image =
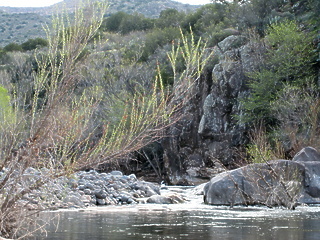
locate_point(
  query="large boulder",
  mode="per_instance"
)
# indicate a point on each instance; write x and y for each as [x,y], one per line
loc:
[279,182]
[309,158]
[308,154]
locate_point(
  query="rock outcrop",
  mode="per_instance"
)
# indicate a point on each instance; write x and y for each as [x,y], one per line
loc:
[209,135]
[279,182]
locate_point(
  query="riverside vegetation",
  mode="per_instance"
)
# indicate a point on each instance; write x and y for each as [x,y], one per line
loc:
[100,92]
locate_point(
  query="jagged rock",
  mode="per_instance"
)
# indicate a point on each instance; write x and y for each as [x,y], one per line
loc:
[279,182]
[209,132]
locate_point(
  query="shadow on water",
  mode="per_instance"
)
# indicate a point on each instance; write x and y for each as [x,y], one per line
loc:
[190,221]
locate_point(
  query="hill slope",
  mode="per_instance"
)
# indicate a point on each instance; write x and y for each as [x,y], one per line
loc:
[20,24]
[150,8]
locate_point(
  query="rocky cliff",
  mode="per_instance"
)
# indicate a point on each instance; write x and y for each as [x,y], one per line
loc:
[209,136]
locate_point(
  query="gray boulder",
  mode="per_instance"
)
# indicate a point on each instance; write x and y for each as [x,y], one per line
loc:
[168,199]
[146,188]
[231,42]
[280,182]
[307,154]
[73,200]
[309,158]
[158,199]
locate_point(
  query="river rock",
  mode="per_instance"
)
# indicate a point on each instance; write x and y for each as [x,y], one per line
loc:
[169,199]
[101,201]
[86,199]
[116,173]
[100,194]
[73,201]
[86,188]
[145,188]
[279,182]
[159,199]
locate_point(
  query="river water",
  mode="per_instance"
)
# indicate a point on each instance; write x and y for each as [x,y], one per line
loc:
[190,221]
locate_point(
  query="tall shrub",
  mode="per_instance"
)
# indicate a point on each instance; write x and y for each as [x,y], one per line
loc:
[288,60]
[58,131]
[6,111]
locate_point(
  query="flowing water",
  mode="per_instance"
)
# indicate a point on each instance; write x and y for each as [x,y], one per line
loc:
[190,221]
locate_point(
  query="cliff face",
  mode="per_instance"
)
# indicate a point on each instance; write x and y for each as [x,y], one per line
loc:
[209,136]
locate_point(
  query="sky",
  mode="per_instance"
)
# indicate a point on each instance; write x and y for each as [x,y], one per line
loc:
[27,3]
[43,3]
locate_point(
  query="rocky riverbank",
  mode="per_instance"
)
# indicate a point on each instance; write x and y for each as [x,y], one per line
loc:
[278,182]
[91,188]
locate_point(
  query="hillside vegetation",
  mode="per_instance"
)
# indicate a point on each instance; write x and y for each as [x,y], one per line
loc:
[19,27]
[20,24]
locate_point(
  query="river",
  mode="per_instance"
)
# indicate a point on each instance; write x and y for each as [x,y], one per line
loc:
[190,221]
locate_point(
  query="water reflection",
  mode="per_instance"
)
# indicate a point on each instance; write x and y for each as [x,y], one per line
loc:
[191,221]
[188,225]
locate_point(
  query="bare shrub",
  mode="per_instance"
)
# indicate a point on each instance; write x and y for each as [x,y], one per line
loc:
[261,149]
[58,132]
[298,111]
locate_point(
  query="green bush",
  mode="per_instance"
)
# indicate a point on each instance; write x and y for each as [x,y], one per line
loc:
[170,18]
[136,22]
[211,14]
[298,112]
[6,111]
[288,60]
[290,50]
[158,38]
[215,33]
[205,16]
[125,23]
[113,22]
[3,56]
[32,44]
[13,47]
[257,14]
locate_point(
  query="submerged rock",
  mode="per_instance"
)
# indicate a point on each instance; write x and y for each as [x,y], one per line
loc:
[159,200]
[167,199]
